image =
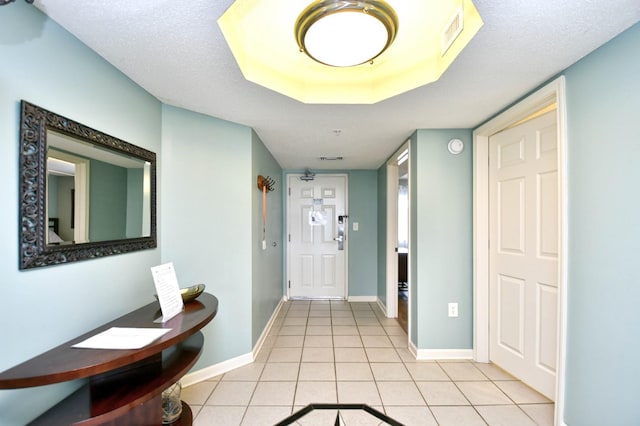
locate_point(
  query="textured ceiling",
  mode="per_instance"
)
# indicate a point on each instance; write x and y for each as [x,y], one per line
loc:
[176,51]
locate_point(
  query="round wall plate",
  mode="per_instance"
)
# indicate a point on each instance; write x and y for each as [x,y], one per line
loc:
[455,146]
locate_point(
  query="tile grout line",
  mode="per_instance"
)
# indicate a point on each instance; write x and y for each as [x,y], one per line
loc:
[355,315]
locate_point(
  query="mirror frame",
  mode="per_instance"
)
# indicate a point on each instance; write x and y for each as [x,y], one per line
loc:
[34,251]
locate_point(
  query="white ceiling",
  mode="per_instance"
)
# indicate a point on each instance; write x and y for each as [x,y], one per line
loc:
[175,50]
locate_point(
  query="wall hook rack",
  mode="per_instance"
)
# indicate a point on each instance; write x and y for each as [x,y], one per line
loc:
[265,183]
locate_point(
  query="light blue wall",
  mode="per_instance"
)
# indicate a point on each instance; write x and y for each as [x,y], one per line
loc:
[135,196]
[108,212]
[441,247]
[266,264]
[207,183]
[603,334]
[362,246]
[52,192]
[44,307]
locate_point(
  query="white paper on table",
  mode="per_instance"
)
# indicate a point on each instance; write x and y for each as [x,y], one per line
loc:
[168,290]
[123,338]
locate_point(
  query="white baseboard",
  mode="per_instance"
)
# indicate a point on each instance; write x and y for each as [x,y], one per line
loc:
[439,354]
[363,298]
[444,354]
[239,361]
[413,349]
[382,306]
[267,329]
[216,370]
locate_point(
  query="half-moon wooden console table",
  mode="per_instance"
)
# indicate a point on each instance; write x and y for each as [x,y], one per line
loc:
[125,386]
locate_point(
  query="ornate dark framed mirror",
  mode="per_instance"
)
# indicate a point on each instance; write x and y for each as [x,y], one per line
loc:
[83,194]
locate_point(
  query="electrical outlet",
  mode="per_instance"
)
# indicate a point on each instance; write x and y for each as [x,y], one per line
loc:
[453,310]
[356,226]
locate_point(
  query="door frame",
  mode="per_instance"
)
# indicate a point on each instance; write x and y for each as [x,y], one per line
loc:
[392,239]
[392,236]
[81,193]
[553,92]
[290,176]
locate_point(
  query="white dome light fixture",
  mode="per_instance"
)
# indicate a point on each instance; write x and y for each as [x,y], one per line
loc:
[346,33]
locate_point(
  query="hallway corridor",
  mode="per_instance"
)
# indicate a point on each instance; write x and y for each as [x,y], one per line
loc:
[329,352]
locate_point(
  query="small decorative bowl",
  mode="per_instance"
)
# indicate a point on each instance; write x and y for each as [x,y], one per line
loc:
[189,293]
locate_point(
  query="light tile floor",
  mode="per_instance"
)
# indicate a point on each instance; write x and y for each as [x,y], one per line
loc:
[341,352]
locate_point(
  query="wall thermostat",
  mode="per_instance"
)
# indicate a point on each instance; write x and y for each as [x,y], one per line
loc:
[455,146]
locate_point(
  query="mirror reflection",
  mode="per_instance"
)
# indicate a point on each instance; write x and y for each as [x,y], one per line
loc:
[94,194]
[83,193]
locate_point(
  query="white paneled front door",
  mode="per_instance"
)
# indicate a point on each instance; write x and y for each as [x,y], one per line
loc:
[317,225]
[523,197]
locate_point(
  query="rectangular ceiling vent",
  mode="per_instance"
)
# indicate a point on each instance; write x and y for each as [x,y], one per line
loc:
[452,30]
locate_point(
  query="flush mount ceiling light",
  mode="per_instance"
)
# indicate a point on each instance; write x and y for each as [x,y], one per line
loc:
[417,41]
[344,33]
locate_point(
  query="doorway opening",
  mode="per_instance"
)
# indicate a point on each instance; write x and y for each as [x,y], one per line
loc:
[67,198]
[403,240]
[398,238]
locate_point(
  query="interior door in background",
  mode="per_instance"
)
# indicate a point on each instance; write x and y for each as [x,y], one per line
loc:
[523,197]
[316,258]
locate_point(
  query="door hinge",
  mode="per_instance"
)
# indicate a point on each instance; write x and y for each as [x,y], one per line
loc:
[289,237]
[289,192]
[289,283]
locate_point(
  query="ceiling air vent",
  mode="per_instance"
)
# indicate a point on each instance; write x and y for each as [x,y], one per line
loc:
[452,30]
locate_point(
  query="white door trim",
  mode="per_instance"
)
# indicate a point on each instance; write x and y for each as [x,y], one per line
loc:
[81,190]
[392,237]
[552,92]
